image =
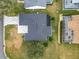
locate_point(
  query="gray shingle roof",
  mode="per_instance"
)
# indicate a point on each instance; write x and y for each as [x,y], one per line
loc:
[37,26]
[31,3]
[69,5]
[67,33]
[75,1]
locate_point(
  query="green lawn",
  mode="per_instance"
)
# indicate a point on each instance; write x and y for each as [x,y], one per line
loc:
[7,28]
[69,12]
[50,49]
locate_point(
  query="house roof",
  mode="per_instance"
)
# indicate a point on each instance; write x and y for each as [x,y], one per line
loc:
[71,29]
[38,29]
[71,4]
[75,1]
[74,25]
[35,4]
[67,33]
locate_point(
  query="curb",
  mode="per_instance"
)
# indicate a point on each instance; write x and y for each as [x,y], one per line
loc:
[60,19]
[4,41]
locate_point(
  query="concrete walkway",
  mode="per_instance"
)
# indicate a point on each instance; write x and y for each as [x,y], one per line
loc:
[2,55]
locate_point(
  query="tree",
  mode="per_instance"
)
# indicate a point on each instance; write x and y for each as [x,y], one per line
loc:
[7,6]
[35,49]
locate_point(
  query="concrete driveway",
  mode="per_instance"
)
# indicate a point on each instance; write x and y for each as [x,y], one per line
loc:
[2,56]
[14,20]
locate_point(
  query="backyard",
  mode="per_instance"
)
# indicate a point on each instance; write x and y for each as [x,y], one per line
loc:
[41,50]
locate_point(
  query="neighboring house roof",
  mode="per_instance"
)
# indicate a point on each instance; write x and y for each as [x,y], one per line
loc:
[36,4]
[49,1]
[38,26]
[71,4]
[67,37]
[75,1]
[71,29]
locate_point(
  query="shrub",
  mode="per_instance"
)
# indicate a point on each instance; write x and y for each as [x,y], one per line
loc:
[52,18]
[50,38]
[45,44]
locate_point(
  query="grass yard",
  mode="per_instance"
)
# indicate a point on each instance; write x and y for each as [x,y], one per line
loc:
[41,50]
[69,12]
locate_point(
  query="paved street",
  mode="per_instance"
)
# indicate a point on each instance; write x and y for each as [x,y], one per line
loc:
[2,56]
